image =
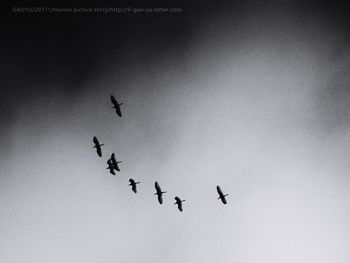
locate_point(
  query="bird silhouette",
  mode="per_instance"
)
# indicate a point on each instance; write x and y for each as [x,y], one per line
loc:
[115,162]
[179,203]
[159,193]
[110,167]
[133,185]
[116,106]
[221,195]
[97,146]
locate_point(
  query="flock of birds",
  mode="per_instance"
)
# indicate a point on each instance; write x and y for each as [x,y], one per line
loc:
[113,166]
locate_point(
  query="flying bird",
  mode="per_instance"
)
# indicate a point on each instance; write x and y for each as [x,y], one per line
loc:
[110,167]
[159,193]
[116,106]
[97,146]
[179,203]
[115,162]
[221,195]
[133,185]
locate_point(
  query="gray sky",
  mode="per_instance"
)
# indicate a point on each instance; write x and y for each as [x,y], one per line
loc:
[264,115]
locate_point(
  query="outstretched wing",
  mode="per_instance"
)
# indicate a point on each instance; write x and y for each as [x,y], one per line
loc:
[158,189]
[114,101]
[131,181]
[118,111]
[180,206]
[223,199]
[160,199]
[114,162]
[110,167]
[219,190]
[99,151]
[178,200]
[96,141]
[133,187]
[116,167]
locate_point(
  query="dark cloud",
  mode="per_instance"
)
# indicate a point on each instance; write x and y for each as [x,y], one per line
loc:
[67,50]
[58,54]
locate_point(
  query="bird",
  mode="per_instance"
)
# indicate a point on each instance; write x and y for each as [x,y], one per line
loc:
[221,195]
[133,185]
[179,203]
[116,106]
[159,192]
[110,167]
[115,162]
[97,146]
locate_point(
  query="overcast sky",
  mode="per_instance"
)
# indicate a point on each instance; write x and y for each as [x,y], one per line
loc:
[252,97]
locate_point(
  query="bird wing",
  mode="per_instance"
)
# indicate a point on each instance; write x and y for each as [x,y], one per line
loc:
[160,199]
[117,109]
[133,187]
[99,152]
[219,190]
[113,158]
[156,185]
[178,200]
[114,101]
[223,199]
[131,181]
[96,141]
